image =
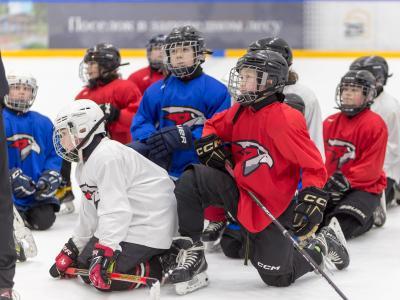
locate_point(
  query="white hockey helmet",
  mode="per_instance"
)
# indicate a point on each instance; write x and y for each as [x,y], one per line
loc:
[17,103]
[75,127]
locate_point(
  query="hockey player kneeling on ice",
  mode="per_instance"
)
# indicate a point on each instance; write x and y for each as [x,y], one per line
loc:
[127,200]
[388,108]
[33,162]
[355,146]
[269,146]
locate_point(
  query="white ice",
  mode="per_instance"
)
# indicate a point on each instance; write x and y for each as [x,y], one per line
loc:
[374,271]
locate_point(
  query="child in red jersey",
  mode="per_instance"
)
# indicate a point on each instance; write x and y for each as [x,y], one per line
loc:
[355,144]
[155,71]
[269,146]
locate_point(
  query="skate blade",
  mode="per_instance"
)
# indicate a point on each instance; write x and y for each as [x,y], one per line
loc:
[67,208]
[25,238]
[213,247]
[335,225]
[197,282]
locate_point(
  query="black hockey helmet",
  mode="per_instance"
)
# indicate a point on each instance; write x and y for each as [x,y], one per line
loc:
[274,44]
[377,65]
[180,37]
[356,79]
[156,41]
[270,69]
[295,101]
[106,55]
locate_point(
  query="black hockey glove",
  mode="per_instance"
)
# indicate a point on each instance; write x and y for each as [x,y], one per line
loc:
[309,211]
[65,259]
[212,152]
[168,139]
[337,185]
[21,184]
[47,185]
[110,111]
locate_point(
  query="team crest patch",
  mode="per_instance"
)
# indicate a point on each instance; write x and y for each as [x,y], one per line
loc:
[181,115]
[343,151]
[91,193]
[256,155]
[25,143]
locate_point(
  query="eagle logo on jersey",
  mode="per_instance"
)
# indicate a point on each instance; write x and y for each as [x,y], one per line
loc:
[258,156]
[24,143]
[181,115]
[343,152]
[91,193]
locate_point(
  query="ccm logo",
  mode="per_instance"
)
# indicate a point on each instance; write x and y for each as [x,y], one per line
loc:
[315,199]
[268,267]
[209,147]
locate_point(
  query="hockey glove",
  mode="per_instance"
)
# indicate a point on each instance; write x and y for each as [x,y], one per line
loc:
[101,264]
[337,185]
[110,111]
[212,152]
[21,184]
[65,259]
[47,185]
[168,139]
[309,211]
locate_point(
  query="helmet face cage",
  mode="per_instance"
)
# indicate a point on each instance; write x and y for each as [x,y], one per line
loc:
[84,72]
[368,92]
[155,64]
[68,155]
[181,49]
[21,104]
[83,122]
[247,83]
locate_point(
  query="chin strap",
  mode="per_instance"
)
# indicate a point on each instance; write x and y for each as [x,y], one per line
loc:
[86,138]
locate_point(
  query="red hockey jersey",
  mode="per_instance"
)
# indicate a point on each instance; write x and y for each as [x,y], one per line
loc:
[270,147]
[145,77]
[356,146]
[123,94]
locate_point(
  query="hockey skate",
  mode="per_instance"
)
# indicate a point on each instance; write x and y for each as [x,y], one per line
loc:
[8,294]
[211,236]
[379,214]
[189,274]
[333,245]
[65,196]
[24,243]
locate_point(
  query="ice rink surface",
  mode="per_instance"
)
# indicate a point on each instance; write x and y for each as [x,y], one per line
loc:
[374,271]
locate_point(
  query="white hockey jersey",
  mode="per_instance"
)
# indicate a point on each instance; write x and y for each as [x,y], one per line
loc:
[312,113]
[126,197]
[389,109]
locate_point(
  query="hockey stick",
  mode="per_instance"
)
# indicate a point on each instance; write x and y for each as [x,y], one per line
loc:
[152,283]
[286,233]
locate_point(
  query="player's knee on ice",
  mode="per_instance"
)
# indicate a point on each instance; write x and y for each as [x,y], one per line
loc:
[41,217]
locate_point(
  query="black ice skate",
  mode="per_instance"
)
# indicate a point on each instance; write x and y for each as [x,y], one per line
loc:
[8,294]
[189,274]
[332,243]
[213,231]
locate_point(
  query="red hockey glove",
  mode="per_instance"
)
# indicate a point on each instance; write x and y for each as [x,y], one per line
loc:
[65,259]
[102,258]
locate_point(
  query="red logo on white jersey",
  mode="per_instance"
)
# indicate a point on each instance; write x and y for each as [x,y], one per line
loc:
[91,193]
